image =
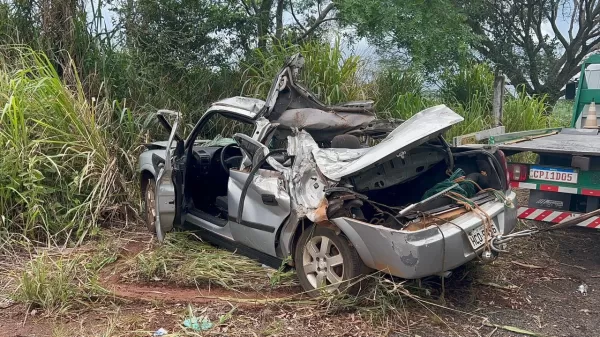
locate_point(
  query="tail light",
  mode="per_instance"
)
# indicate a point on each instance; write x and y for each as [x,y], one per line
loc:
[517,172]
[502,160]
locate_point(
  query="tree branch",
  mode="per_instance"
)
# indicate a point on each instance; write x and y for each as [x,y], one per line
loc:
[246,8]
[318,22]
[294,16]
[552,18]
[573,16]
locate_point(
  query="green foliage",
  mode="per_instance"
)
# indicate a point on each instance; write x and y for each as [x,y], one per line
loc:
[399,93]
[184,34]
[525,113]
[470,81]
[476,114]
[561,113]
[431,34]
[65,158]
[331,75]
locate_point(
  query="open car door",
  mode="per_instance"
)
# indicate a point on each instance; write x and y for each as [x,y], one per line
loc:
[170,178]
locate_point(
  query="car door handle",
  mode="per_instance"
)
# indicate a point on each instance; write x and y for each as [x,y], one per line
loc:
[269,199]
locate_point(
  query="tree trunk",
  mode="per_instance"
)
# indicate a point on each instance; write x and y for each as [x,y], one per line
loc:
[264,22]
[279,20]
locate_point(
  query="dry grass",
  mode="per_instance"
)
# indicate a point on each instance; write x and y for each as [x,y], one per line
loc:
[184,260]
[59,280]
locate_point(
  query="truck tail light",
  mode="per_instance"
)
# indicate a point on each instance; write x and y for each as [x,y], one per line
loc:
[517,172]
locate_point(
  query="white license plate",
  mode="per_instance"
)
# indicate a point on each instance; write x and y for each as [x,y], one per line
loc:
[562,175]
[477,236]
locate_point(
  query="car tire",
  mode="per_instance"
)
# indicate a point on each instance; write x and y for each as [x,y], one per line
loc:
[149,204]
[316,263]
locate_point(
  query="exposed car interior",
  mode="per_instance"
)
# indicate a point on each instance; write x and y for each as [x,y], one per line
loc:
[207,176]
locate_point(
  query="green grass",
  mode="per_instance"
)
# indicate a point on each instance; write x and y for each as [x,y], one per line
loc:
[183,260]
[59,283]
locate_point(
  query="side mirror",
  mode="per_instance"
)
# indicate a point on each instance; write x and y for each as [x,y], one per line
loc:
[570,90]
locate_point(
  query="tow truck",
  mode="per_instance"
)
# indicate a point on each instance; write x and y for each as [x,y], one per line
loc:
[564,181]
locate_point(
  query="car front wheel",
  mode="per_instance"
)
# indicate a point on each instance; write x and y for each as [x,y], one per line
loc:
[327,262]
[149,197]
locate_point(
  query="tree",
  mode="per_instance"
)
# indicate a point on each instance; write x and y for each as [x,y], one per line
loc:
[513,35]
[313,13]
[523,38]
[430,33]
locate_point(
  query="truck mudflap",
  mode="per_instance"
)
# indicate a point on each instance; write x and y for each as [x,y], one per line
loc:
[540,214]
[429,251]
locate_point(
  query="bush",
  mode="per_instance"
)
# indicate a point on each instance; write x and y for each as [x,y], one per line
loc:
[471,81]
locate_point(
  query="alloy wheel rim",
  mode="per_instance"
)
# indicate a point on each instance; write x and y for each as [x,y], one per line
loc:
[323,263]
[151,206]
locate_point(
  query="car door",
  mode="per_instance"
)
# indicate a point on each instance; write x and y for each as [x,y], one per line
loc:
[170,178]
[266,201]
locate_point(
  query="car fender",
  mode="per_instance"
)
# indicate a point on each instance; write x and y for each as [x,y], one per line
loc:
[145,161]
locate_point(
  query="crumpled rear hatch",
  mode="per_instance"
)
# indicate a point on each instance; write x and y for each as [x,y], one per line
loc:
[420,128]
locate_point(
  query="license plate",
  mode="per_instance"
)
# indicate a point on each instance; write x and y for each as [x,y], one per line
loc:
[477,236]
[562,175]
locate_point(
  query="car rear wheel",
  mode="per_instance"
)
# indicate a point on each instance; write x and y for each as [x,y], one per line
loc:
[149,197]
[327,262]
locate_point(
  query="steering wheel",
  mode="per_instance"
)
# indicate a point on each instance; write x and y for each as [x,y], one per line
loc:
[228,163]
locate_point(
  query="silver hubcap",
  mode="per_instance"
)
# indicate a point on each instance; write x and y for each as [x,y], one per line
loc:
[323,263]
[150,206]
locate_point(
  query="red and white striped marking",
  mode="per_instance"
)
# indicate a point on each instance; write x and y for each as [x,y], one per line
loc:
[553,188]
[555,216]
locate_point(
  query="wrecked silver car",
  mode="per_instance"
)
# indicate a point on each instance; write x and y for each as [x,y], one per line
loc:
[332,187]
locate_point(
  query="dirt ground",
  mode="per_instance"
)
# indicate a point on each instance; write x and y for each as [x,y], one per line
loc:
[534,287]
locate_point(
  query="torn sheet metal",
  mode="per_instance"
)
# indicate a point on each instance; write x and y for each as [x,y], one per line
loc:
[271,182]
[425,125]
[306,185]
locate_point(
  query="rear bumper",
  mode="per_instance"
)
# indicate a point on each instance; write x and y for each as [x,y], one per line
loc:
[428,251]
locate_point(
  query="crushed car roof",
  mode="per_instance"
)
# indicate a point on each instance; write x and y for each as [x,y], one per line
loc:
[246,106]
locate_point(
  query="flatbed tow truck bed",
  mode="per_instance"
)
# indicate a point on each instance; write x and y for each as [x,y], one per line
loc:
[568,141]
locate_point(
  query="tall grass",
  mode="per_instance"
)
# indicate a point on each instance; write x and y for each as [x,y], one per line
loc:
[399,93]
[472,80]
[333,76]
[524,112]
[63,170]
[183,260]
